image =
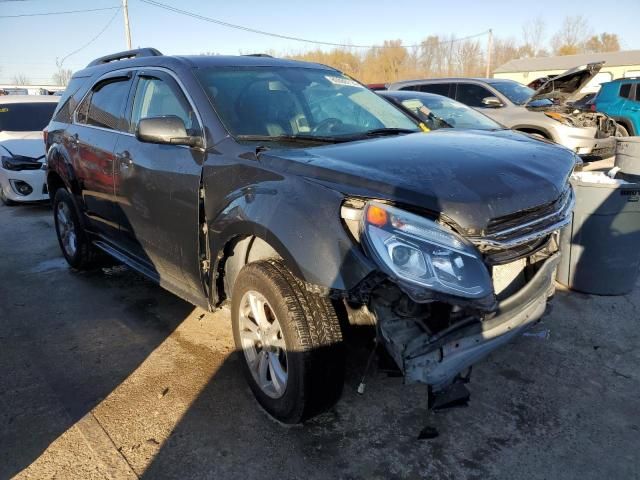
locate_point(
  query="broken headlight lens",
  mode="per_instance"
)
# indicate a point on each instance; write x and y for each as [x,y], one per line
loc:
[562,118]
[417,250]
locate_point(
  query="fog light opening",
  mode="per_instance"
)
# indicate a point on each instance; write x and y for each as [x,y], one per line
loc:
[21,187]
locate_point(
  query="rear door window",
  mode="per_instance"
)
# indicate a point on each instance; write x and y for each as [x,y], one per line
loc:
[471,94]
[438,88]
[625,90]
[104,106]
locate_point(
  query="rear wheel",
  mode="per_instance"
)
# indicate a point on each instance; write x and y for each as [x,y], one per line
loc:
[289,340]
[74,242]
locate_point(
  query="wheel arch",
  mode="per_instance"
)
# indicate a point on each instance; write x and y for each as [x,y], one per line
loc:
[626,123]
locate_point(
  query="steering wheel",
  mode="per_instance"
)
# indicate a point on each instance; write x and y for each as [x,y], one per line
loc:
[326,125]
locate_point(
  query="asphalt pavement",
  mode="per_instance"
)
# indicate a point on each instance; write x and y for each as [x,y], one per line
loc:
[106,375]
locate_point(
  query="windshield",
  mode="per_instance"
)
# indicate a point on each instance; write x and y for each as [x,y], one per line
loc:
[272,102]
[25,117]
[517,93]
[442,112]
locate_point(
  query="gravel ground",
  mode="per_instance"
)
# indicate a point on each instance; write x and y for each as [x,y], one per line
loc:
[105,375]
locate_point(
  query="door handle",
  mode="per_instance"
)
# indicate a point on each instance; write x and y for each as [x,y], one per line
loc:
[124,159]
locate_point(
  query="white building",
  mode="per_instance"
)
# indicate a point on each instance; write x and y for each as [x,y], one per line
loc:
[617,65]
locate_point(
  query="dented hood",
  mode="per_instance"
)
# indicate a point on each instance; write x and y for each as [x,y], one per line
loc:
[566,87]
[468,176]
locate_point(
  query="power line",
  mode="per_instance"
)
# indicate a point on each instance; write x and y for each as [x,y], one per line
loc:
[59,64]
[285,37]
[58,13]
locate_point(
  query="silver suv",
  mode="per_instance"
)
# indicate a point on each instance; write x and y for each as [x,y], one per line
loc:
[547,112]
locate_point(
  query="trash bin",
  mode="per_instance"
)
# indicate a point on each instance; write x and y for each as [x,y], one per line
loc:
[601,247]
[628,155]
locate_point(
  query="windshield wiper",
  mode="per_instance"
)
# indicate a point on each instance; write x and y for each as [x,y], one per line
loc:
[288,138]
[388,131]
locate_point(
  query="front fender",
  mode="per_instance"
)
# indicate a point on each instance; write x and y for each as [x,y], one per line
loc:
[301,221]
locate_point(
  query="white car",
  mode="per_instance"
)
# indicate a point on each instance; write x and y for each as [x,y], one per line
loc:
[22,154]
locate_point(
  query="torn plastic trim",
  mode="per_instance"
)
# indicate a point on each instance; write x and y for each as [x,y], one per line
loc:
[436,362]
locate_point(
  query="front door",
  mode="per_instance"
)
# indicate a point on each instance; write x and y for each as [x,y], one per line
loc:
[157,187]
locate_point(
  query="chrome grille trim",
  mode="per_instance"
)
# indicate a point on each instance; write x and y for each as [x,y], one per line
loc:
[559,219]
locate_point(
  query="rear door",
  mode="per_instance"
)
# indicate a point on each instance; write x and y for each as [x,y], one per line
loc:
[157,186]
[91,139]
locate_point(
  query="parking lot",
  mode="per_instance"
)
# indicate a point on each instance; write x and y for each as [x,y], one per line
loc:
[107,376]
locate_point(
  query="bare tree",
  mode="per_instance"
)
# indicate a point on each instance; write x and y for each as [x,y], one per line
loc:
[533,33]
[62,76]
[21,79]
[572,36]
[605,42]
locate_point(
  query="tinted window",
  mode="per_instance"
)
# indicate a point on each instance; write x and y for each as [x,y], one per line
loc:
[280,101]
[637,95]
[518,93]
[25,117]
[157,98]
[472,95]
[625,90]
[68,102]
[105,105]
[437,88]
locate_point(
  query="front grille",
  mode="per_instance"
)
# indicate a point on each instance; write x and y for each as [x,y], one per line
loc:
[525,216]
[527,229]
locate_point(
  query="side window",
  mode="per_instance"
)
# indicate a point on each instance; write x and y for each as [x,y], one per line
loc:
[472,95]
[104,106]
[156,97]
[437,88]
[637,93]
[625,90]
[411,88]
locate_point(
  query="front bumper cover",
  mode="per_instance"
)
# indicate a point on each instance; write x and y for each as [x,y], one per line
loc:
[437,360]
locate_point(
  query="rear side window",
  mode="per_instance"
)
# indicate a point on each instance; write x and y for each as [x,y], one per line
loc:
[104,106]
[637,95]
[472,95]
[69,101]
[625,90]
[437,88]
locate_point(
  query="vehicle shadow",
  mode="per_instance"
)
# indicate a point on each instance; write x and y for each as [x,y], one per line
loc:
[67,338]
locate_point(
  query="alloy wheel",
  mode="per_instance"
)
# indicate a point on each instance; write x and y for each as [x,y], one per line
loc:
[263,344]
[66,229]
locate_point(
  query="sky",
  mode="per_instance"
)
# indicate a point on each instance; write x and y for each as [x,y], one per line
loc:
[31,45]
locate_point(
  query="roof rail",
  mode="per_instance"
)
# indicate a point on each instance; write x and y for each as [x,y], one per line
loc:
[127,54]
[257,55]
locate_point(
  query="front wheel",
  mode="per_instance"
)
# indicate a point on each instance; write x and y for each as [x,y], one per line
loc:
[290,342]
[621,131]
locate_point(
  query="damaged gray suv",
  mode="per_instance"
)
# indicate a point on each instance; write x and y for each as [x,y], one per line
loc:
[307,202]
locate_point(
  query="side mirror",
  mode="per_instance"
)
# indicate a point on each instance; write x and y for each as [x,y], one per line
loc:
[491,102]
[165,130]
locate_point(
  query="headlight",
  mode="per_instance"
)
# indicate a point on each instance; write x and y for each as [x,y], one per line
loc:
[559,117]
[413,249]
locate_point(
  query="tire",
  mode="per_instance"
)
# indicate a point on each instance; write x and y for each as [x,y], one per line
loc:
[309,337]
[5,200]
[84,255]
[621,131]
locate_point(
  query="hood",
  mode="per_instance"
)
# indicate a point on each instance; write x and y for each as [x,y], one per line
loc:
[27,144]
[468,176]
[566,87]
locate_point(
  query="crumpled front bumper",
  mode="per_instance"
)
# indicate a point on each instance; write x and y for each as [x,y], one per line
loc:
[438,361]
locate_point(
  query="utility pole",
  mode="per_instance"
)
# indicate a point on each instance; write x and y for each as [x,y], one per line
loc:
[127,31]
[489,48]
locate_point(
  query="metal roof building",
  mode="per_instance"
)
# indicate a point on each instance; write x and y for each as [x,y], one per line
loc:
[617,65]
